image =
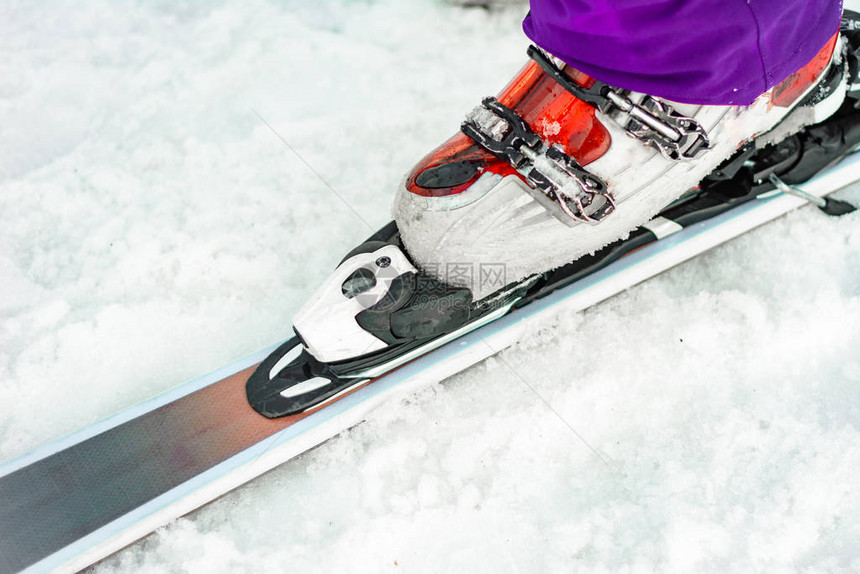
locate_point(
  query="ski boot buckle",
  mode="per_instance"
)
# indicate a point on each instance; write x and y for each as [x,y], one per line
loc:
[652,121]
[658,125]
[575,194]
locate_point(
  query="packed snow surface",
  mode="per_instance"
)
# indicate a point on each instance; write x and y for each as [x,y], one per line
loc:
[155,224]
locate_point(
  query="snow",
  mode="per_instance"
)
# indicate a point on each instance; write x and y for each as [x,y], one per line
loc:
[153,227]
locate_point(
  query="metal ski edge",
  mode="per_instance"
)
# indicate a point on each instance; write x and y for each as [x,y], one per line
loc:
[434,366]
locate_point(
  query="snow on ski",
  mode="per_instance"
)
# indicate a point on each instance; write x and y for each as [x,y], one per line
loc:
[79,499]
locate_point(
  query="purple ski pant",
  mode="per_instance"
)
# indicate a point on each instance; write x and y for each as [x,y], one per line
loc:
[692,51]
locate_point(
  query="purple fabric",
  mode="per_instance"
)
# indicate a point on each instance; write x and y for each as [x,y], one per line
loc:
[692,51]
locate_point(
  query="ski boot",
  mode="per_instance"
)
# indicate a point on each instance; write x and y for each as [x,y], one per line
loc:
[545,184]
[559,165]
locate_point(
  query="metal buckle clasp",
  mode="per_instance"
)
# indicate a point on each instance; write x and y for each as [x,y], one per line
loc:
[651,121]
[657,124]
[575,193]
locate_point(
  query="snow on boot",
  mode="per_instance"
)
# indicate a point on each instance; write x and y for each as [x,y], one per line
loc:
[560,165]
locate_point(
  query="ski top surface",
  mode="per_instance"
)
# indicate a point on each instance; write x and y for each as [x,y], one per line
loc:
[81,498]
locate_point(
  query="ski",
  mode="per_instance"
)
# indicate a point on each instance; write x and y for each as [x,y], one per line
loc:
[77,500]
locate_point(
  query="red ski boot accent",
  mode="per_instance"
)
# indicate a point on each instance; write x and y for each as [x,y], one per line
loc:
[784,94]
[550,110]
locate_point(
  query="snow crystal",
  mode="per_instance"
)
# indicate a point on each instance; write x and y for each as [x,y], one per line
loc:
[549,129]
